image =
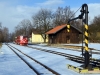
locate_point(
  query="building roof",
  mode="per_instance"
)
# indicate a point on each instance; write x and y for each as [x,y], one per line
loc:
[58,28]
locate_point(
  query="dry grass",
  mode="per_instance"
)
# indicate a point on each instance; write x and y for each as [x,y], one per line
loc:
[67,46]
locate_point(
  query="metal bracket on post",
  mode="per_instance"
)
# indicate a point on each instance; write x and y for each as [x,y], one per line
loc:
[84,10]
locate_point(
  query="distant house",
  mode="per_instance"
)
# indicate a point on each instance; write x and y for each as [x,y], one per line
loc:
[36,37]
[59,34]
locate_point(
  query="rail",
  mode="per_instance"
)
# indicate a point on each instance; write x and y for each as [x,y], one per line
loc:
[48,68]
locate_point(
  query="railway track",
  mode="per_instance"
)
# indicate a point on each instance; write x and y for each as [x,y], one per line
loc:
[75,48]
[69,56]
[33,68]
[95,62]
[94,51]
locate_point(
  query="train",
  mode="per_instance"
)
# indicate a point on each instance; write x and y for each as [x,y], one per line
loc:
[21,40]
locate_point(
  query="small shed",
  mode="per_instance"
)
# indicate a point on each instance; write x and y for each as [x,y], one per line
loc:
[59,34]
[36,37]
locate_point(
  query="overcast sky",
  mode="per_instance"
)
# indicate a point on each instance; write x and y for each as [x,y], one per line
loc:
[14,11]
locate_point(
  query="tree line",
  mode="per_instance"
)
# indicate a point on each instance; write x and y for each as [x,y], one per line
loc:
[4,33]
[94,29]
[45,20]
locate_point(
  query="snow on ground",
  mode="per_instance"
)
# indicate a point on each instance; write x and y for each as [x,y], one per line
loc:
[10,64]
[56,62]
[58,50]
[68,51]
[90,45]
[95,45]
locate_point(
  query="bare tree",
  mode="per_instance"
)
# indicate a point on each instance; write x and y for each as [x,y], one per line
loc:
[62,15]
[11,37]
[5,32]
[43,21]
[94,29]
[18,30]
[23,28]
[1,36]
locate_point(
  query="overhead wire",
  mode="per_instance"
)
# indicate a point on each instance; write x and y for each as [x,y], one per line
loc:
[75,12]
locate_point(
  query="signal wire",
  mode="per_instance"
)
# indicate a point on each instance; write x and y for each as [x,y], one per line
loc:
[75,12]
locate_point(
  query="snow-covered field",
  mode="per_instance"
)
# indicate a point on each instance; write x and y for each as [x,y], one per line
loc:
[10,64]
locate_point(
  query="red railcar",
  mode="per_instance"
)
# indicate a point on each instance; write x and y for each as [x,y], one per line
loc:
[21,40]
